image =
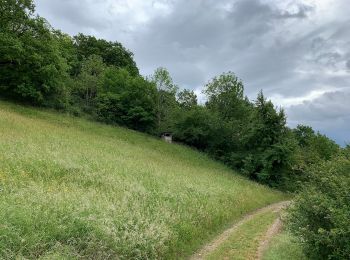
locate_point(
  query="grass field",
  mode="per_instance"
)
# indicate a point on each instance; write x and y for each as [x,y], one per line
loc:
[284,246]
[71,189]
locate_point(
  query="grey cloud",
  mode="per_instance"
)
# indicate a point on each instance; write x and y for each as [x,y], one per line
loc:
[77,16]
[348,64]
[222,39]
[330,106]
[331,51]
[303,11]
[328,114]
[329,58]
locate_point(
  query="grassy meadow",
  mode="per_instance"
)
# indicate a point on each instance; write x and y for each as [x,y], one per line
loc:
[284,246]
[72,189]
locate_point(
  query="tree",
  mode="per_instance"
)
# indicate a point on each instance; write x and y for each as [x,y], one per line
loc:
[225,95]
[187,99]
[88,81]
[32,66]
[16,16]
[268,125]
[166,99]
[68,51]
[313,148]
[195,127]
[112,53]
[126,100]
[268,142]
[304,134]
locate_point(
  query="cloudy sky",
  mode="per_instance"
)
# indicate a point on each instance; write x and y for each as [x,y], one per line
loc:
[297,51]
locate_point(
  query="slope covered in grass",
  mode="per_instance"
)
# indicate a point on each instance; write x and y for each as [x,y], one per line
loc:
[73,188]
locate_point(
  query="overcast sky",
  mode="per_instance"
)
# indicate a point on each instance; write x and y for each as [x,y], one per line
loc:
[296,51]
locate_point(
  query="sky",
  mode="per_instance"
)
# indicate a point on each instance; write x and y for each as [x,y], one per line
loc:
[296,51]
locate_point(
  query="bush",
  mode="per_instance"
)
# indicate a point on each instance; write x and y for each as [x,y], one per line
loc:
[126,100]
[194,128]
[320,215]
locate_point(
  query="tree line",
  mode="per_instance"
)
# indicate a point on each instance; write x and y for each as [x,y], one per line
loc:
[86,76]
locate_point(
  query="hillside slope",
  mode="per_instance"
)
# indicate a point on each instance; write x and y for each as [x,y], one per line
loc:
[70,188]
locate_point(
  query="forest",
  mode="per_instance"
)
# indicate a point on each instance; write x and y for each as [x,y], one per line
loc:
[98,79]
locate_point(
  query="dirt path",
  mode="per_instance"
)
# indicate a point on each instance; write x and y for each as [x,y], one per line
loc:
[274,229]
[210,247]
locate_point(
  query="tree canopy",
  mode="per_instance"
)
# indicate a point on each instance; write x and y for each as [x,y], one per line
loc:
[112,53]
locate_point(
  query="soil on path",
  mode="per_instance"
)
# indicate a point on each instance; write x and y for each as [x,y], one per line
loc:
[274,229]
[214,244]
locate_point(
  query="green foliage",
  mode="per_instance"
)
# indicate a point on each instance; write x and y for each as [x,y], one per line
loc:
[68,51]
[268,143]
[225,95]
[163,81]
[15,15]
[195,128]
[36,60]
[126,100]
[251,137]
[32,67]
[88,82]
[313,148]
[268,125]
[166,104]
[112,53]
[257,140]
[201,128]
[320,215]
[304,135]
[187,99]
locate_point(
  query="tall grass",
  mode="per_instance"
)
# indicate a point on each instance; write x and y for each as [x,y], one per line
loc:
[284,246]
[70,188]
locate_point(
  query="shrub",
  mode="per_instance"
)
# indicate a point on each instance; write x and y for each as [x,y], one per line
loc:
[320,215]
[194,128]
[126,100]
